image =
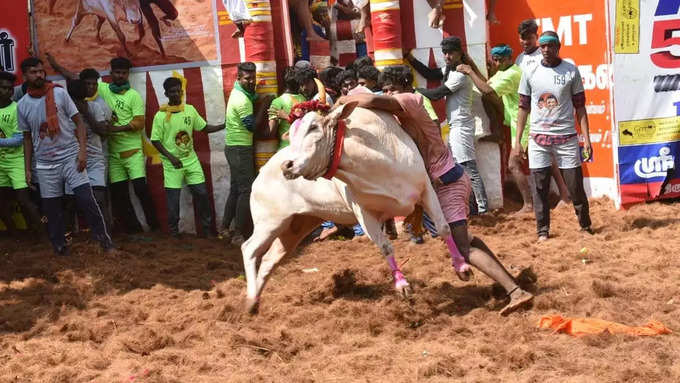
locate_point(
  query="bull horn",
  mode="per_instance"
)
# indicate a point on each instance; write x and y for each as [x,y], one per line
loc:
[321,89]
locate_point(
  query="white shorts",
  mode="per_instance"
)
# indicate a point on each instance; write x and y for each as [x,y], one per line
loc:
[96,173]
[567,155]
[54,177]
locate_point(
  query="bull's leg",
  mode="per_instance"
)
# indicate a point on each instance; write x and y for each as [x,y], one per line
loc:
[153,25]
[77,18]
[100,22]
[51,6]
[258,244]
[140,30]
[434,210]
[120,34]
[284,245]
[373,229]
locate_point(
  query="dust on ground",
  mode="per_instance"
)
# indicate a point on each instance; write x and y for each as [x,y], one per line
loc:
[170,311]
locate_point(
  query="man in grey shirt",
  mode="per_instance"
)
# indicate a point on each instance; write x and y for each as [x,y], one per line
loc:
[94,116]
[55,133]
[98,127]
[457,88]
[553,92]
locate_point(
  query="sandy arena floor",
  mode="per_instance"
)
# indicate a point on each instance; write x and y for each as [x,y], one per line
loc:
[170,311]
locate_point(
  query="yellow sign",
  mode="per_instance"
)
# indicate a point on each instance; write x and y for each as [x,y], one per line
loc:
[627,32]
[649,131]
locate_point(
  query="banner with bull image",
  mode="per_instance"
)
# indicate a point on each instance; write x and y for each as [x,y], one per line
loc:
[647,97]
[88,33]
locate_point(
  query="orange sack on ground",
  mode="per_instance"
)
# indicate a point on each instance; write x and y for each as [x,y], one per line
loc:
[587,326]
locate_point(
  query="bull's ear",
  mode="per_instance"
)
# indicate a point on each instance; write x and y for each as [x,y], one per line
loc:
[342,112]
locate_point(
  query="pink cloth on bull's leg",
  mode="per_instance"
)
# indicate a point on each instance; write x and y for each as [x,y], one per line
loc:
[399,279]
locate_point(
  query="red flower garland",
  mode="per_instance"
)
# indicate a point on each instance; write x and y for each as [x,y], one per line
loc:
[299,110]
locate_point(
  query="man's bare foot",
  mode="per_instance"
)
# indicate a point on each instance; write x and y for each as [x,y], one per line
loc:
[562,203]
[518,298]
[325,233]
[526,209]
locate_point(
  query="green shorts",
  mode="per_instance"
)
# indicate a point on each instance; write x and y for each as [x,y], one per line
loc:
[130,168]
[12,173]
[192,173]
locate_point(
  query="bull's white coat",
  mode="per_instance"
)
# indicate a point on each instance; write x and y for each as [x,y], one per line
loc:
[381,175]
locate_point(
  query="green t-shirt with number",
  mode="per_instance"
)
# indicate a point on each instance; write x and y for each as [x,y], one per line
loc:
[176,135]
[239,107]
[8,127]
[125,106]
[285,102]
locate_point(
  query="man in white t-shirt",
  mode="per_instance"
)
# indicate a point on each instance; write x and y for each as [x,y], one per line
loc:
[457,88]
[530,57]
[528,60]
[553,92]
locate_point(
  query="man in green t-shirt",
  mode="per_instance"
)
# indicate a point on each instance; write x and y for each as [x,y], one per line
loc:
[172,135]
[126,156]
[281,107]
[12,173]
[505,83]
[502,90]
[242,118]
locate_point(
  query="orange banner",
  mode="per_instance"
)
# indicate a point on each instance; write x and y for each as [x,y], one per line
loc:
[582,27]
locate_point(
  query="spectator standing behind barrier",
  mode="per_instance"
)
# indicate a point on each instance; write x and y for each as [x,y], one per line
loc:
[281,107]
[12,167]
[457,88]
[54,131]
[95,120]
[126,157]
[501,89]
[172,135]
[553,132]
[307,78]
[97,134]
[242,119]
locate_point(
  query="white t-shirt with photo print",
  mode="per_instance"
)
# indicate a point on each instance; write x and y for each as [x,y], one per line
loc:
[551,91]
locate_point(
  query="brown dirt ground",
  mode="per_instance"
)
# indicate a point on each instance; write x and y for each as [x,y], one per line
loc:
[169,311]
[84,50]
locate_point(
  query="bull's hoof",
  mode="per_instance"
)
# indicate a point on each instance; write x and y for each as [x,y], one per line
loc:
[464,272]
[252,306]
[403,288]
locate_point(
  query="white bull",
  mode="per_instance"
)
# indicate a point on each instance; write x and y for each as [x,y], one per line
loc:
[284,212]
[106,10]
[379,160]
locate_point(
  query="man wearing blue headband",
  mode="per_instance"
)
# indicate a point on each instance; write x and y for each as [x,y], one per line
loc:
[553,92]
[528,60]
[501,91]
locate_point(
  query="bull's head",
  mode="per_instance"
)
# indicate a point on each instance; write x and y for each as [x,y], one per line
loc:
[311,143]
